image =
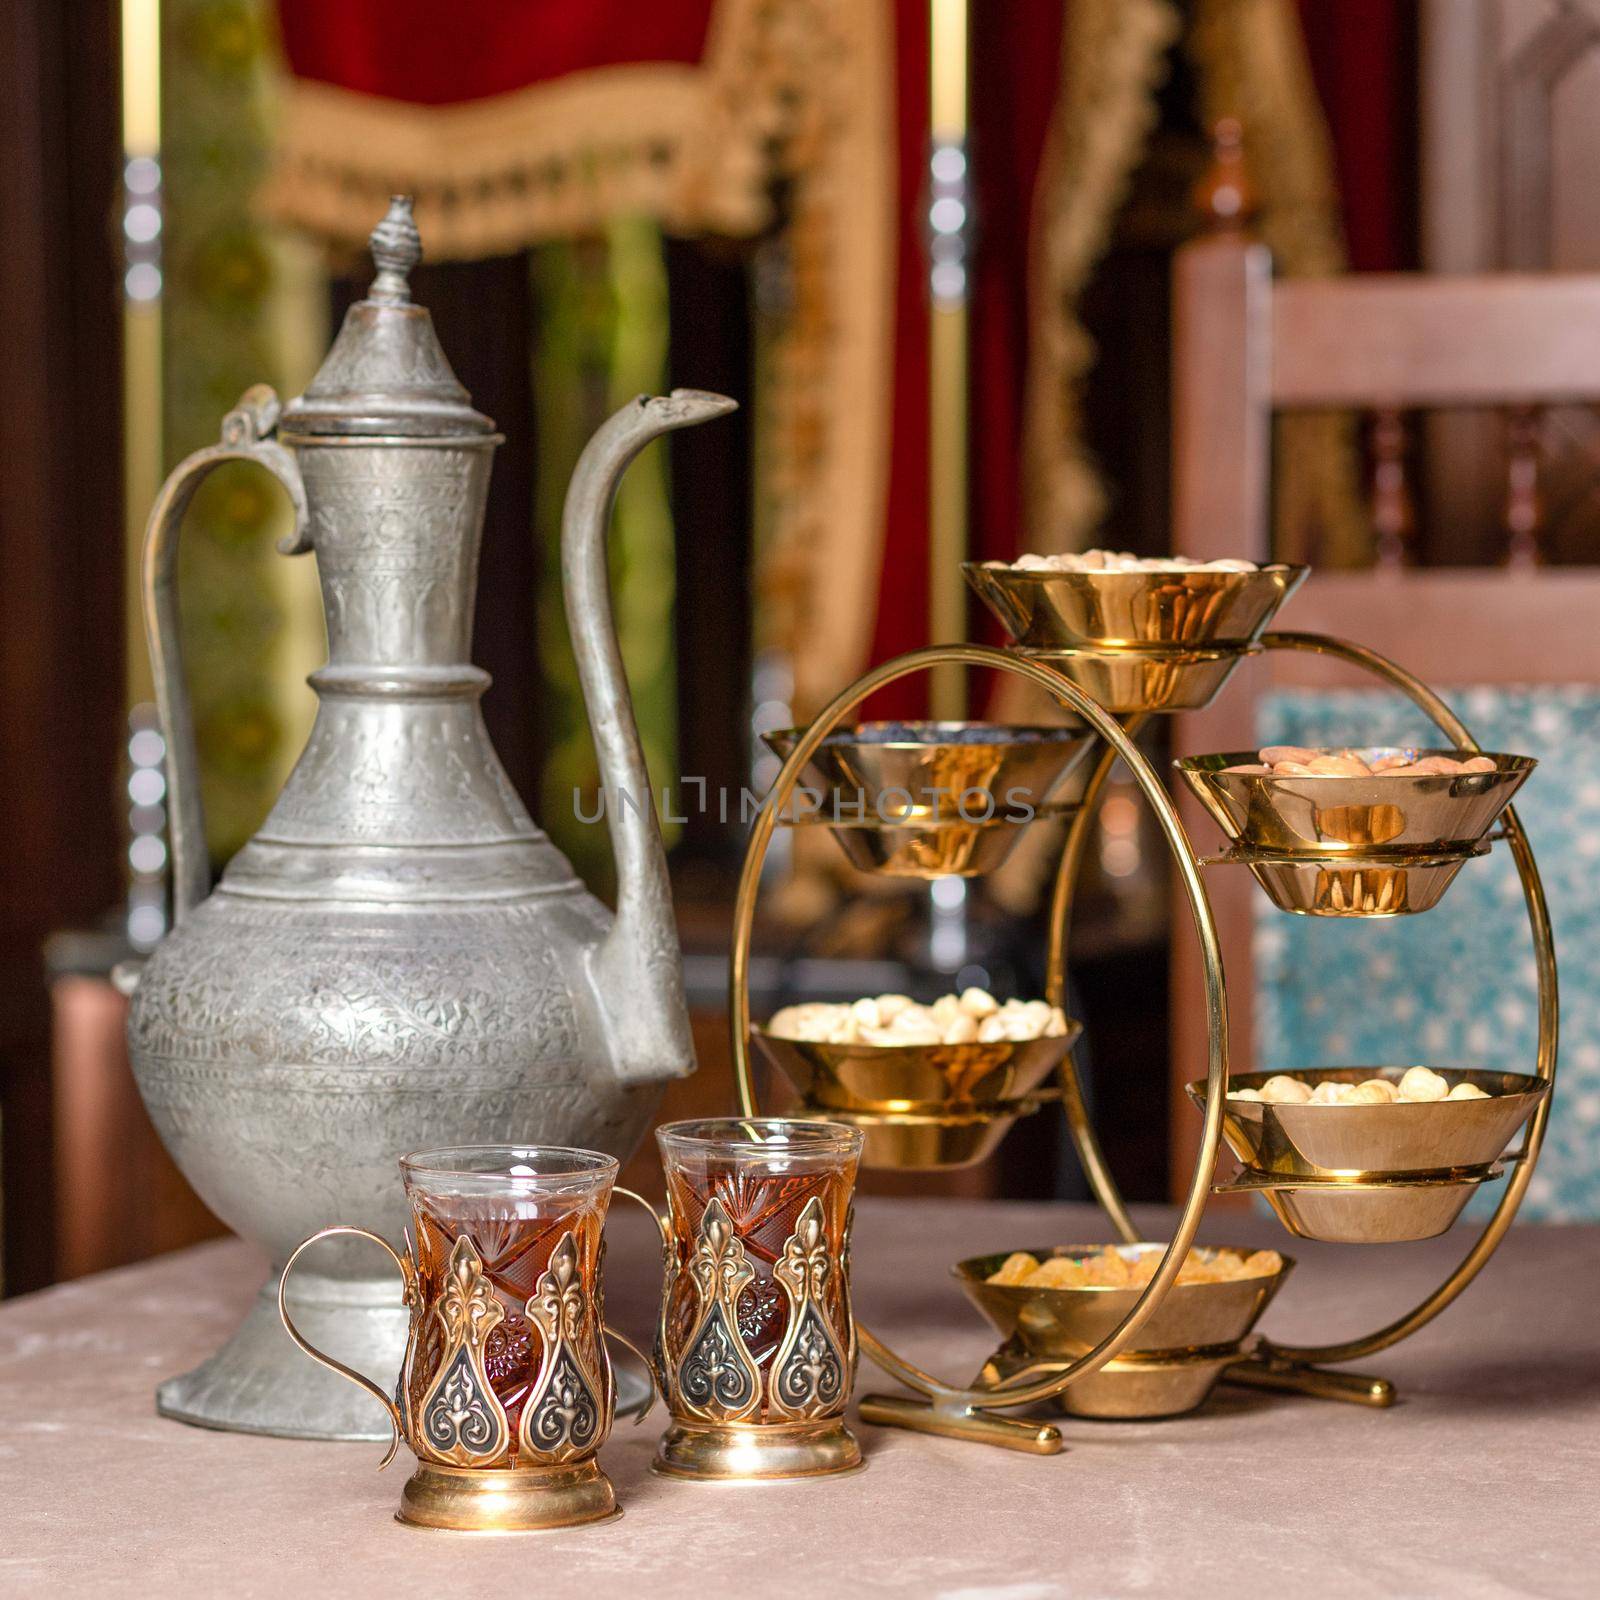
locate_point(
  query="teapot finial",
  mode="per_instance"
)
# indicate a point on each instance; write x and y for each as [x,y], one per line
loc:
[396,248]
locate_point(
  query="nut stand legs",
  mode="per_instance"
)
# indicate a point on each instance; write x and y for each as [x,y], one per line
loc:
[1297,1366]
[954,1410]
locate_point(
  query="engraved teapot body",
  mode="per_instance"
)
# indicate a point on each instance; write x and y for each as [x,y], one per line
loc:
[399,957]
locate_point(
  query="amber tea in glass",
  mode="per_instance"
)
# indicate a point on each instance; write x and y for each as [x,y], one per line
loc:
[507,1389]
[757,1341]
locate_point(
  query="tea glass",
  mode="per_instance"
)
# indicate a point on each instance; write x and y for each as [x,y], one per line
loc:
[757,1343]
[507,1390]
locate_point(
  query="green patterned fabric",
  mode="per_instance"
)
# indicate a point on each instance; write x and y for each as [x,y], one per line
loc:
[1455,986]
[249,616]
[602,339]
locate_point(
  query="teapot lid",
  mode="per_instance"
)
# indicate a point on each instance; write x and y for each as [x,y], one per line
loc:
[386,372]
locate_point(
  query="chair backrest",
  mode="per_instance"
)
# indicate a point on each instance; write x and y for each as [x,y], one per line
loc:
[1246,347]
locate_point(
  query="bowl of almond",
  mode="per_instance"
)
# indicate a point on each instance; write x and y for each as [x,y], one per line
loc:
[1390,1121]
[1296,800]
[1366,1155]
[934,1085]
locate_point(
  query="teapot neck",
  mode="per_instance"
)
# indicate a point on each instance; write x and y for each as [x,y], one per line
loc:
[396,525]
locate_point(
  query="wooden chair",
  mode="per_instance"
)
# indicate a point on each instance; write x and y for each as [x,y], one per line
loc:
[1246,347]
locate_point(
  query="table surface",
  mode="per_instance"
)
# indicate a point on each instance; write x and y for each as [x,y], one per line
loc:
[1483,1482]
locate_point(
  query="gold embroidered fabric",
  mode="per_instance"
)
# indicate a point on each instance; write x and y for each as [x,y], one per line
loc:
[1253,67]
[1112,63]
[792,95]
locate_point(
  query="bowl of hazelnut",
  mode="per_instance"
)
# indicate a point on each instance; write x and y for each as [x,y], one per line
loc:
[1300,801]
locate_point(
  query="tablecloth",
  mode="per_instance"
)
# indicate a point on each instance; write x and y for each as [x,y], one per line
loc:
[1484,1481]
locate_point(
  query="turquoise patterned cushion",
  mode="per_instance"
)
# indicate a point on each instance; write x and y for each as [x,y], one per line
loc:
[1455,986]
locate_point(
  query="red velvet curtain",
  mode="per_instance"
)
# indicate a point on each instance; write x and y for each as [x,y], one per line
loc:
[1363,57]
[421,52]
[432,54]
[902,618]
[1015,76]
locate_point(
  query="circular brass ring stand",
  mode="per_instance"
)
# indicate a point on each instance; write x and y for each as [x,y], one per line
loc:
[1297,1367]
[960,1411]
[969,1412]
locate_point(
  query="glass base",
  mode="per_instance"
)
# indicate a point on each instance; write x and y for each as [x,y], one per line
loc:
[751,1452]
[524,1500]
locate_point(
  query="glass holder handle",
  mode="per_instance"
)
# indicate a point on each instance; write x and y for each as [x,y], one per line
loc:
[652,1370]
[396,1423]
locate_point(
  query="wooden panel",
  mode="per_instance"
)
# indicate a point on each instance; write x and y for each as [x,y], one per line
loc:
[1436,341]
[1469,625]
[119,1196]
[1221,290]
[1510,130]
[61,530]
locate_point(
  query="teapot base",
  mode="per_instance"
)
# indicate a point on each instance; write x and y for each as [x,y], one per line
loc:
[259,1383]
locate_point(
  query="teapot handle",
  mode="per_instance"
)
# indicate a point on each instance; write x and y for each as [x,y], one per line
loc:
[246,436]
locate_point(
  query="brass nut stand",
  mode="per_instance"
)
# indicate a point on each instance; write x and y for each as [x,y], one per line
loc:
[965,1412]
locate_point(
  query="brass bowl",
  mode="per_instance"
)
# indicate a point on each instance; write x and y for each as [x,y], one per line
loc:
[1144,679]
[1410,1139]
[1196,1331]
[1433,814]
[1112,610]
[1365,1211]
[906,1141]
[1374,884]
[888,772]
[926,848]
[924,1080]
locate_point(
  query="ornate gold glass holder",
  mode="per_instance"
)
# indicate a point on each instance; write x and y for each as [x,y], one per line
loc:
[1144,682]
[738,1414]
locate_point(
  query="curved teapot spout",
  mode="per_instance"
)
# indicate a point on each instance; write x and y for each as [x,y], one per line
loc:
[638,968]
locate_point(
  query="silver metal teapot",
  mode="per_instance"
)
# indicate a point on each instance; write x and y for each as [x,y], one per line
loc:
[399,958]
